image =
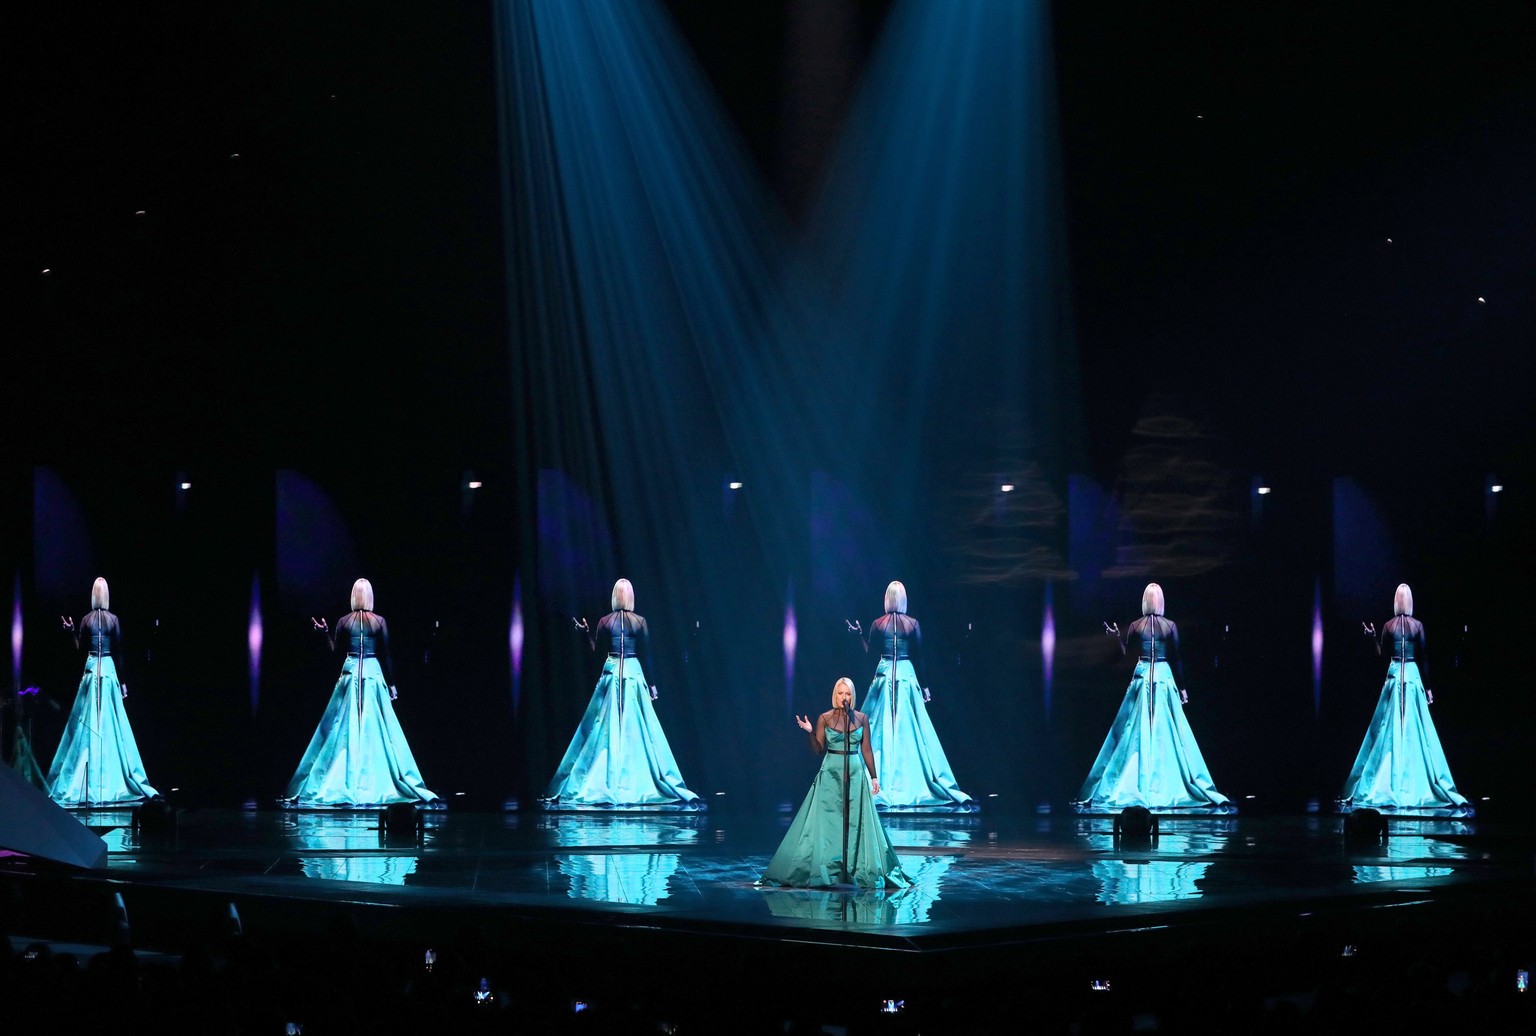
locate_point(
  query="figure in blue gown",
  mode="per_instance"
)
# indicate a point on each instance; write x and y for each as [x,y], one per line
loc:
[1150,757]
[619,757]
[907,750]
[1400,766]
[359,755]
[98,759]
[819,849]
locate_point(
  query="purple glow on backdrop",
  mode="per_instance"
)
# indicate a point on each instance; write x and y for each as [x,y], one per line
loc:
[1317,649]
[253,642]
[515,641]
[16,636]
[1048,646]
[791,641]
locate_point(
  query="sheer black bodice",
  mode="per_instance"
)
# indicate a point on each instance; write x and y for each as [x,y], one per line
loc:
[1153,638]
[896,636]
[624,634]
[1402,637]
[99,633]
[365,635]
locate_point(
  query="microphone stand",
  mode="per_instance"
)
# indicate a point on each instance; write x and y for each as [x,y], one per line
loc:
[621,668]
[97,614]
[847,787]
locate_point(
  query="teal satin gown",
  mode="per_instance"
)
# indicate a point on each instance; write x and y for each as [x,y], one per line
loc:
[619,756]
[358,755]
[98,759]
[811,854]
[1150,757]
[1401,766]
[914,771]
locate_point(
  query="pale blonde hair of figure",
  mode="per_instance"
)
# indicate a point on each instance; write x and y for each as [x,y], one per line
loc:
[362,596]
[1402,601]
[1152,602]
[896,598]
[623,597]
[853,695]
[101,597]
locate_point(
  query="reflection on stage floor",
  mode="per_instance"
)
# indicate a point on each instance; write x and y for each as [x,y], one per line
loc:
[972,873]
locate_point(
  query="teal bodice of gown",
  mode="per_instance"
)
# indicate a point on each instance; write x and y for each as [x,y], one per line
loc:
[98,759]
[619,756]
[914,771]
[812,854]
[1400,765]
[358,755]
[1150,757]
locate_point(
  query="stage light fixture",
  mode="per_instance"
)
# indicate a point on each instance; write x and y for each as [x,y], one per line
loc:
[184,485]
[476,485]
[1497,487]
[734,485]
[1006,487]
[1263,490]
[401,824]
[154,817]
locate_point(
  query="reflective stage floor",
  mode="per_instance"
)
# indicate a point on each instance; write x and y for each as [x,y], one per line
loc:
[1223,918]
[978,879]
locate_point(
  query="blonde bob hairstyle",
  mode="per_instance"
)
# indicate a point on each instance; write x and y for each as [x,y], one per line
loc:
[1152,602]
[853,694]
[1402,601]
[101,597]
[896,598]
[362,596]
[623,597]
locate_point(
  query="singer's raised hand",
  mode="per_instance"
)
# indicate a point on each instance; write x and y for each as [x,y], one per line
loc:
[804,723]
[1112,629]
[581,624]
[854,626]
[69,624]
[1369,628]
[319,625]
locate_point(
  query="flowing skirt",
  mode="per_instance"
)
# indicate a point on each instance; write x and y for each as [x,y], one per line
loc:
[98,760]
[1150,757]
[914,771]
[619,756]
[1400,765]
[359,755]
[811,854]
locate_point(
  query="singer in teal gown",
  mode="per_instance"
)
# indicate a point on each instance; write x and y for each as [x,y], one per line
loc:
[1150,757]
[358,755]
[915,772]
[98,761]
[1400,766]
[812,852]
[619,757]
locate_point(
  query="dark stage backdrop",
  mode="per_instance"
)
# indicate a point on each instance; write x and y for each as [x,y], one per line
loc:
[311,322]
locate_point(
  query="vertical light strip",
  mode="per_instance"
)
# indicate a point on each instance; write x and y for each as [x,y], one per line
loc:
[515,642]
[1048,646]
[253,636]
[1317,649]
[791,642]
[16,638]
